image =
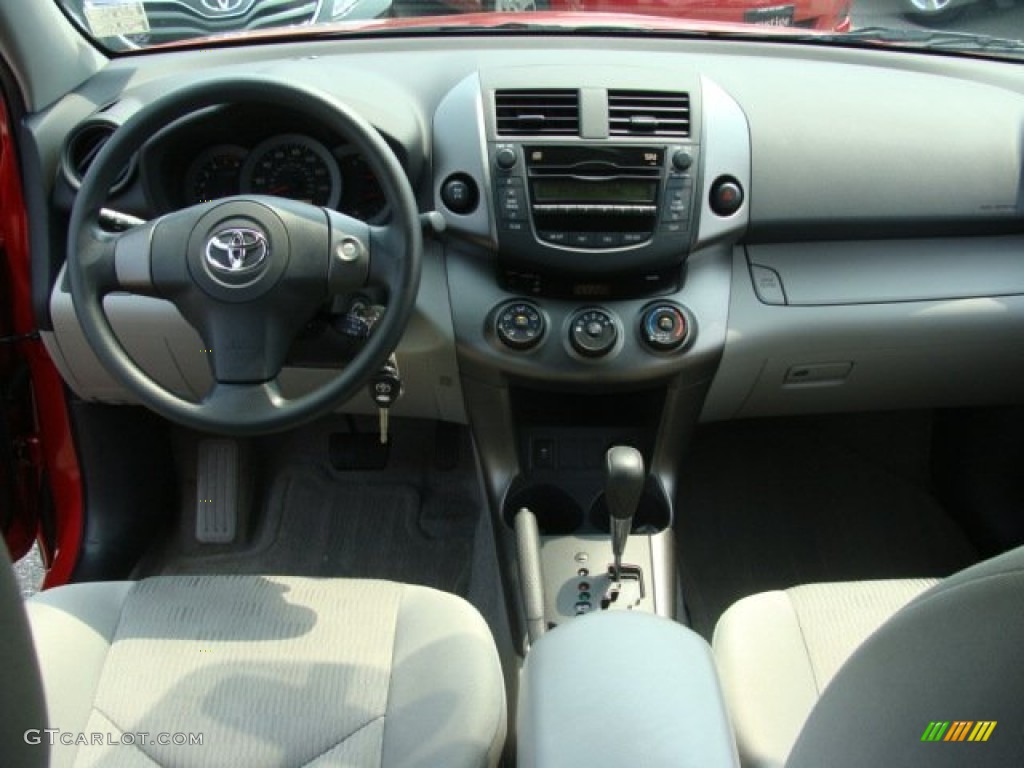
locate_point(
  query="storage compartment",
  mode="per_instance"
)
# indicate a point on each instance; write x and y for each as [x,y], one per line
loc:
[556,511]
[609,687]
[653,513]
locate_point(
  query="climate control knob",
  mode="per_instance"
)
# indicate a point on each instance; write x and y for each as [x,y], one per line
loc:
[519,325]
[663,327]
[592,332]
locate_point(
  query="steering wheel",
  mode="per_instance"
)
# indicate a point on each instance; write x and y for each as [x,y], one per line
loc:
[247,272]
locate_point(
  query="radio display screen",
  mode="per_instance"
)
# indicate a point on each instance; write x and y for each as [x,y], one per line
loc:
[576,191]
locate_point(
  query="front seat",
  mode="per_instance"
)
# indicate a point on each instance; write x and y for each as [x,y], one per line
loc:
[867,673]
[266,671]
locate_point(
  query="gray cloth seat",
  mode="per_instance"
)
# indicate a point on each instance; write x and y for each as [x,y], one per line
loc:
[853,674]
[267,671]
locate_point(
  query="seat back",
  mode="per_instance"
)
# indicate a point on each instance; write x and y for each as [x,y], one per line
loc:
[22,708]
[954,655]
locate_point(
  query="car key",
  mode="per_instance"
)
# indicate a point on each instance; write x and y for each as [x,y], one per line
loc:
[385,389]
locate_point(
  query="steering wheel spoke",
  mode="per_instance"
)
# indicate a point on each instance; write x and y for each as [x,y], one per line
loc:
[234,403]
[350,253]
[132,253]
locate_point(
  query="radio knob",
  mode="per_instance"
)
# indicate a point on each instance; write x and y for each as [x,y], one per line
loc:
[682,160]
[592,332]
[663,327]
[506,158]
[519,325]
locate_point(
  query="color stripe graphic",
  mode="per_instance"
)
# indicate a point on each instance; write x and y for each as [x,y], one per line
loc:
[958,730]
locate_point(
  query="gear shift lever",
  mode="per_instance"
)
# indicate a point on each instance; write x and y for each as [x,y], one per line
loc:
[623,486]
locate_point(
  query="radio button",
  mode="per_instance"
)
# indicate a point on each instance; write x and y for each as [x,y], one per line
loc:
[561,238]
[581,239]
[632,238]
[609,239]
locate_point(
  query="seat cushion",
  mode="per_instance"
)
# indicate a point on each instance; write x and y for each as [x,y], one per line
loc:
[776,652]
[268,671]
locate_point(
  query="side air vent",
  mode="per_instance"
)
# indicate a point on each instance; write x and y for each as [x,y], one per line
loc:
[523,112]
[648,113]
[81,149]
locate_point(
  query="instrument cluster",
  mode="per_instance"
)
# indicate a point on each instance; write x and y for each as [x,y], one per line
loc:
[293,165]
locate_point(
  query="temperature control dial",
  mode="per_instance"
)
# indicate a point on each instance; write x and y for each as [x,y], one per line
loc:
[592,332]
[663,327]
[519,325]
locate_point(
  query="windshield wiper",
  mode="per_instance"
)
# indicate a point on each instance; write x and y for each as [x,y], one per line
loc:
[923,38]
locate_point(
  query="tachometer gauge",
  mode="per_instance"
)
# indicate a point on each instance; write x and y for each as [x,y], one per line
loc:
[362,197]
[215,173]
[293,166]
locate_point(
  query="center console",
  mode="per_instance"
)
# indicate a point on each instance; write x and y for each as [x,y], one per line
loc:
[589,235]
[644,686]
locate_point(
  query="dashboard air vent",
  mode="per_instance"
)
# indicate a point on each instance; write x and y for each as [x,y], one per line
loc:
[648,113]
[82,147]
[550,112]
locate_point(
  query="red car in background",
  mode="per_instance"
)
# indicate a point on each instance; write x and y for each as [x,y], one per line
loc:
[827,15]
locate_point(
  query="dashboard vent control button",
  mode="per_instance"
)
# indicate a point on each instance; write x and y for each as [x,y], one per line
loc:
[592,332]
[663,327]
[519,325]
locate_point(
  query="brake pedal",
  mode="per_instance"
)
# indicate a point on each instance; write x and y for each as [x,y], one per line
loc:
[217,491]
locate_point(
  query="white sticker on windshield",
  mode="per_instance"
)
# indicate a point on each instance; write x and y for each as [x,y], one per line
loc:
[111,18]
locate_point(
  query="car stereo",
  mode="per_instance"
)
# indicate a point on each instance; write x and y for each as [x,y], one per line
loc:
[594,207]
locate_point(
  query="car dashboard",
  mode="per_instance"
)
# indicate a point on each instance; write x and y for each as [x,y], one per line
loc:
[831,229]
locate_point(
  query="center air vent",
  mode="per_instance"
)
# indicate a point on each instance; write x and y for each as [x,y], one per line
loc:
[549,112]
[648,113]
[81,148]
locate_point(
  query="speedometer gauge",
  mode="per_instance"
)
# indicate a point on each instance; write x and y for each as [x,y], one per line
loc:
[293,166]
[215,173]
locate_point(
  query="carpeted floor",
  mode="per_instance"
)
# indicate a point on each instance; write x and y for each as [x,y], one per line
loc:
[409,521]
[770,504]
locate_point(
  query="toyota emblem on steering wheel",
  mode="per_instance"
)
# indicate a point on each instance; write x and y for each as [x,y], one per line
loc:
[237,250]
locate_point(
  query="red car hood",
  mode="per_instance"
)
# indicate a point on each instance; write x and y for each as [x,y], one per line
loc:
[567,20]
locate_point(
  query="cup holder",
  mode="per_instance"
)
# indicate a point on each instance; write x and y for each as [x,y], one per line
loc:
[557,513]
[652,513]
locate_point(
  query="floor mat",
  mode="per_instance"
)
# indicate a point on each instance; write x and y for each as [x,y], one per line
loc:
[768,505]
[410,523]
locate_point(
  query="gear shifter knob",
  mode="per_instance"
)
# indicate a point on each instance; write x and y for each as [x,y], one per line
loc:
[623,486]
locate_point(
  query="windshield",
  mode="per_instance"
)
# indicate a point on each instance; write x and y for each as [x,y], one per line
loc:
[990,27]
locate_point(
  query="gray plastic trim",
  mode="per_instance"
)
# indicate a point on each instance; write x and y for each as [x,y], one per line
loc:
[563,556]
[874,272]
[726,153]
[459,147]
[946,352]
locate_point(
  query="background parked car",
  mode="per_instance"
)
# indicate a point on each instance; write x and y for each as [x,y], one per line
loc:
[832,15]
[123,26]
